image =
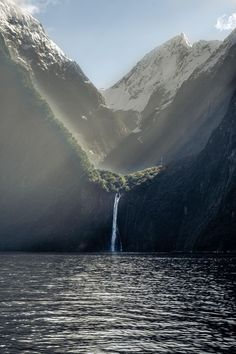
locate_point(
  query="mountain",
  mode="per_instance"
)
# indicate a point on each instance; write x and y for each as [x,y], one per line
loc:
[183,126]
[164,69]
[53,198]
[190,205]
[50,199]
[61,82]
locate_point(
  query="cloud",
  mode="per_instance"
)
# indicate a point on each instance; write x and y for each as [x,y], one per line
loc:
[225,23]
[34,6]
[28,5]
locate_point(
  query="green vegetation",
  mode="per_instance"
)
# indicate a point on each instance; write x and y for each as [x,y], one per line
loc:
[143,176]
[109,181]
[113,182]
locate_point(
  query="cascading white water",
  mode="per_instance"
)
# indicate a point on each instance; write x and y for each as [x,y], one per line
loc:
[114,240]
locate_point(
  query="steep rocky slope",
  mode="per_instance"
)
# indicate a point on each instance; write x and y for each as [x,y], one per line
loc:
[184,126]
[48,200]
[70,94]
[190,206]
[52,198]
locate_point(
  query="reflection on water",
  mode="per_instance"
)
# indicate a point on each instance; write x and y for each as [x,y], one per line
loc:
[116,304]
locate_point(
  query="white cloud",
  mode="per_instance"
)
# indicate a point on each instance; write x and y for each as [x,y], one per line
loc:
[34,6]
[28,5]
[225,22]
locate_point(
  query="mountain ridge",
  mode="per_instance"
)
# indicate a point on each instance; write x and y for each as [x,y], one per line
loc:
[183,127]
[61,82]
[173,61]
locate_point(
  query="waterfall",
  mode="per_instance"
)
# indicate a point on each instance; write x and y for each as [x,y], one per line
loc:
[114,238]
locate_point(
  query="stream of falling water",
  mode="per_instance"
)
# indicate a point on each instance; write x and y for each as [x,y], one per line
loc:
[115,246]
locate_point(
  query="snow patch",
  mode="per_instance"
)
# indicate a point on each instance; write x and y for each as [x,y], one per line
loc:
[136,130]
[164,69]
[26,34]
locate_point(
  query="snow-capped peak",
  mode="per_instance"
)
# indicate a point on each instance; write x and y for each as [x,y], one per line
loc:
[164,69]
[180,39]
[23,32]
[185,39]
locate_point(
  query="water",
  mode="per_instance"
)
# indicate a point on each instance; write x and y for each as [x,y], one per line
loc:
[114,241]
[116,304]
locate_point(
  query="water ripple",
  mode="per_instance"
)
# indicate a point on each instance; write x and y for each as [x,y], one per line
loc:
[94,304]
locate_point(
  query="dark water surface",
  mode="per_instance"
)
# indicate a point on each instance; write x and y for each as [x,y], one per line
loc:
[116,304]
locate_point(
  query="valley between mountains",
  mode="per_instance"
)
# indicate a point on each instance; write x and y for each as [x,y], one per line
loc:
[163,137]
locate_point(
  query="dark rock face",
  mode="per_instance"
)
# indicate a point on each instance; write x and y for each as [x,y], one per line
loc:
[190,206]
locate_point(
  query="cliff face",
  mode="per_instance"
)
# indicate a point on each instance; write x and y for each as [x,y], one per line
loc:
[48,201]
[191,204]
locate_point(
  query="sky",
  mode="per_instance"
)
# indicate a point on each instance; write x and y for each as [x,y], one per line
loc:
[108,37]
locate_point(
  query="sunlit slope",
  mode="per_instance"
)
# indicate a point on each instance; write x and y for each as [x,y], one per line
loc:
[47,200]
[61,82]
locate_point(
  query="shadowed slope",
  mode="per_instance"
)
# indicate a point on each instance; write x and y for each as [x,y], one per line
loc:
[190,205]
